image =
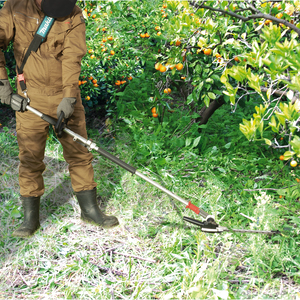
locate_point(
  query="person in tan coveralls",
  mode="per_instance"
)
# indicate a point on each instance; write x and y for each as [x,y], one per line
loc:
[51,76]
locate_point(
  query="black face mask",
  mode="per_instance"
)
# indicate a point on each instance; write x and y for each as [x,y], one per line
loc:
[57,8]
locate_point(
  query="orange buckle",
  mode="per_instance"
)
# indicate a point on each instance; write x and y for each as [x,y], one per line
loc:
[21,77]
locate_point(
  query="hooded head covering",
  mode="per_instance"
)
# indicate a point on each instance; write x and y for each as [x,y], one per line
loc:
[57,8]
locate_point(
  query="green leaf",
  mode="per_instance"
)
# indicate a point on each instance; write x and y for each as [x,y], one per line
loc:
[188,141]
[288,155]
[161,161]
[189,99]
[196,142]
[211,95]
[268,142]
[15,213]
[295,143]
[206,101]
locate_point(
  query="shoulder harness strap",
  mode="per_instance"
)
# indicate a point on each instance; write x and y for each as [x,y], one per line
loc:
[39,38]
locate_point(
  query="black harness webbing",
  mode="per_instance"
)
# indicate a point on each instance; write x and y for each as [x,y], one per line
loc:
[38,39]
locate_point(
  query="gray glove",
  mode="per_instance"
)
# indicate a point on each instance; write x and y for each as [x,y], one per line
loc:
[67,106]
[5,91]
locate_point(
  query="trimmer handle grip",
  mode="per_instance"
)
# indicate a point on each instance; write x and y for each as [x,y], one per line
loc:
[60,125]
[18,103]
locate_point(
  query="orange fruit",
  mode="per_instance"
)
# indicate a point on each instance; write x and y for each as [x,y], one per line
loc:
[112,52]
[279,16]
[162,69]
[155,115]
[281,157]
[142,35]
[157,28]
[147,35]
[110,38]
[87,98]
[94,81]
[167,91]
[177,43]
[93,56]
[153,110]
[103,29]
[96,85]
[236,59]
[79,82]
[91,51]
[293,163]
[280,196]
[90,78]
[218,55]
[104,40]
[179,66]
[298,180]
[118,82]
[164,15]
[94,16]
[207,51]
[157,66]
[130,78]
[158,33]
[123,81]
[183,77]
[165,6]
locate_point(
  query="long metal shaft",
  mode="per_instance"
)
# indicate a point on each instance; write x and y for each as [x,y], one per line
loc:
[208,226]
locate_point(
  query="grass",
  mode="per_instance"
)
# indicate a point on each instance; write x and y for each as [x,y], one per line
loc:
[153,254]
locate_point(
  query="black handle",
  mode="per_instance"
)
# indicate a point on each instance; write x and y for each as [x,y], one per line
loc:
[59,122]
[49,119]
[117,161]
[60,125]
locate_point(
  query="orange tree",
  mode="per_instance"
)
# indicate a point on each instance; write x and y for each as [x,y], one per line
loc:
[205,53]
[164,67]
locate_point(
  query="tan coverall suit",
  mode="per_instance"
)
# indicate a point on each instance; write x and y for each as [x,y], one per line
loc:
[51,74]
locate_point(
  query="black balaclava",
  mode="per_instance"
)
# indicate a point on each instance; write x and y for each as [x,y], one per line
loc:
[57,8]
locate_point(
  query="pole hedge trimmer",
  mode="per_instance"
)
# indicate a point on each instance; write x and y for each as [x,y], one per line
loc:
[209,224]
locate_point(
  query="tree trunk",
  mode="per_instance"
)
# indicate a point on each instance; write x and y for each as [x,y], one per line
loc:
[206,112]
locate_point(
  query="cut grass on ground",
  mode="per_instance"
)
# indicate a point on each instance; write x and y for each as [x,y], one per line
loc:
[153,253]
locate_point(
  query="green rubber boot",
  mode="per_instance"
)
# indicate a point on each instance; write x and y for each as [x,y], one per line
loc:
[31,207]
[90,211]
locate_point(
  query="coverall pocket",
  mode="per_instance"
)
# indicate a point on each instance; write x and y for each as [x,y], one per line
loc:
[26,27]
[56,37]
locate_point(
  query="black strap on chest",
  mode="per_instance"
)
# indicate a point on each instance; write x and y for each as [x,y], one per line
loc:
[39,38]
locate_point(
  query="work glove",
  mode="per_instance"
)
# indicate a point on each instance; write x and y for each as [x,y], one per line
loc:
[5,91]
[66,106]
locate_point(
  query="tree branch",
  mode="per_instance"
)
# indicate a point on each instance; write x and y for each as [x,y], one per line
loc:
[258,15]
[281,93]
